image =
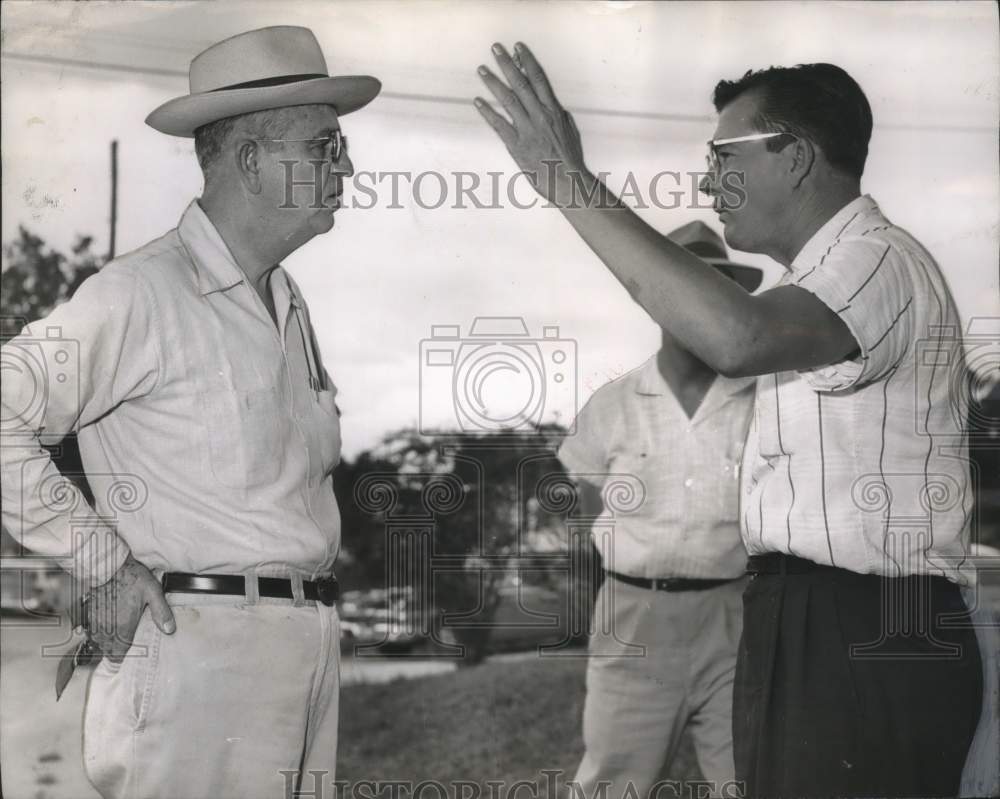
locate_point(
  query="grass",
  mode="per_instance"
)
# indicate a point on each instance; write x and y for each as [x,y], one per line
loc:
[501,720]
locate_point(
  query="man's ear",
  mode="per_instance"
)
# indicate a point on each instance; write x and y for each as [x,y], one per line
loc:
[248,165]
[803,155]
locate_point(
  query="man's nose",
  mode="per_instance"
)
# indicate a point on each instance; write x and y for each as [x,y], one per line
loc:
[708,184]
[343,166]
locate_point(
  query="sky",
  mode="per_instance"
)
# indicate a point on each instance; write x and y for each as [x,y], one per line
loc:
[638,77]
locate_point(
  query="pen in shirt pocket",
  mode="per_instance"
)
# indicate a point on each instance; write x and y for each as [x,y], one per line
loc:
[317,375]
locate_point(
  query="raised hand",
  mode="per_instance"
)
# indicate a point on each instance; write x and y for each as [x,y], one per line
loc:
[540,135]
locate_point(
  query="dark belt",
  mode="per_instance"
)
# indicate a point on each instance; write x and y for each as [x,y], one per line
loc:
[670,583]
[780,563]
[326,590]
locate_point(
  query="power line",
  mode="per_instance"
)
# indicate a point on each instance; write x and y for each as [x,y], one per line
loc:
[72,62]
[449,100]
[411,96]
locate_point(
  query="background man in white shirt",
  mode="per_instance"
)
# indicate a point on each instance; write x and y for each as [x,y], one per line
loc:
[856,489]
[199,380]
[673,566]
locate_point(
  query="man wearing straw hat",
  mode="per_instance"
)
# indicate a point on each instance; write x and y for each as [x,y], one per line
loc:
[199,375]
[672,590]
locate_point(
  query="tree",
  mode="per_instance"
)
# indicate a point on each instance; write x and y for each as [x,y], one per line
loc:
[36,279]
[465,503]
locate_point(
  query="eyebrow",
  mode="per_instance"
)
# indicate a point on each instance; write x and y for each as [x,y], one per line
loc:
[326,131]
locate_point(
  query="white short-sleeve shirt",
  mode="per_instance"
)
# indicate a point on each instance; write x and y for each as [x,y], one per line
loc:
[863,464]
[670,482]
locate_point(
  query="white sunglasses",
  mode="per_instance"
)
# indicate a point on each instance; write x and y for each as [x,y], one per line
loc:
[713,159]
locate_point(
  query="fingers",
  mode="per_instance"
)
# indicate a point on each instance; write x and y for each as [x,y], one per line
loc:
[163,616]
[503,128]
[519,83]
[507,99]
[104,610]
[526,60]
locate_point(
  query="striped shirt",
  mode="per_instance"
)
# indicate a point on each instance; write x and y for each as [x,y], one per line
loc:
[669,482]
[863,464]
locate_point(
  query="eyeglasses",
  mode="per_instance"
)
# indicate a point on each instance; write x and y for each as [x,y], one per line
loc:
[712,159]
[334,144]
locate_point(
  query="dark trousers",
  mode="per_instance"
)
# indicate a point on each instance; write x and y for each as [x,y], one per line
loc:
[853,685]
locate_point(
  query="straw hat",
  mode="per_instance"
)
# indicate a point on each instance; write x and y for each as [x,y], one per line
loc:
[266,68]
[699,238]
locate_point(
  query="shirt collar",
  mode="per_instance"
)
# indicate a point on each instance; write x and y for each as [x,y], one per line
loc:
[283,288]
[653,383]
[217,269]
[825,237]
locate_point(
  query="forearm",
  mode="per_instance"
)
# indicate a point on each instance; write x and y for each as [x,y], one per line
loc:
[48,515]
[707,313]
[736,334]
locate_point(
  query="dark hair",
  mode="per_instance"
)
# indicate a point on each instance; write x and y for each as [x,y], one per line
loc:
[818,102]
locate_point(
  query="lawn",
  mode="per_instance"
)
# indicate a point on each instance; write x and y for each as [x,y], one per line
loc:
[504,720]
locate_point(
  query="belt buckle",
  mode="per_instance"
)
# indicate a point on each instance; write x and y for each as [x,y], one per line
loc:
[327,589]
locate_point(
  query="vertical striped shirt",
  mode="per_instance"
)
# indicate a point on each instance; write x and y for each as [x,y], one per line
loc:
[863,464]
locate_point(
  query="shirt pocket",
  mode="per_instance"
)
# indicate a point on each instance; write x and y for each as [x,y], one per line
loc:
[629,484]
[244,435]
[328,432]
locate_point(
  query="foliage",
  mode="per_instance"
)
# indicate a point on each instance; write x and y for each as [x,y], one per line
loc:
[472,497]
[36,278]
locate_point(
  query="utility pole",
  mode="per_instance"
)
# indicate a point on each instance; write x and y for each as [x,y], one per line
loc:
[114,196]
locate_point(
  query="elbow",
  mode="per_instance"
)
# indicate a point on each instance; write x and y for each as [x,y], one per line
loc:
[732,365]
[739,356]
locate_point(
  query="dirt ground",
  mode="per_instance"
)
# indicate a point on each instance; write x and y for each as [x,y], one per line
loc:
[40,739]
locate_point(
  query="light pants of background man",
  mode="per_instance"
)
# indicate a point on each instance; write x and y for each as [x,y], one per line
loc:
[240,692]
[639,702]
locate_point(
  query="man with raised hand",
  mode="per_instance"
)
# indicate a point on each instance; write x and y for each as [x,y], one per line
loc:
[200,379]
[858,673]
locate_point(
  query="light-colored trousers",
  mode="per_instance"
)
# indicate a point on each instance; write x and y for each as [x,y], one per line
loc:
[239,694]
[659,662]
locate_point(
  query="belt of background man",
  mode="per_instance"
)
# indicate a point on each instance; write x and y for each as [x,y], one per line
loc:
[325,590]
[670,583]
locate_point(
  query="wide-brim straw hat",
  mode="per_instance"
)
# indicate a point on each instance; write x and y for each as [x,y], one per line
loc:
[700,239]
[272,67]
